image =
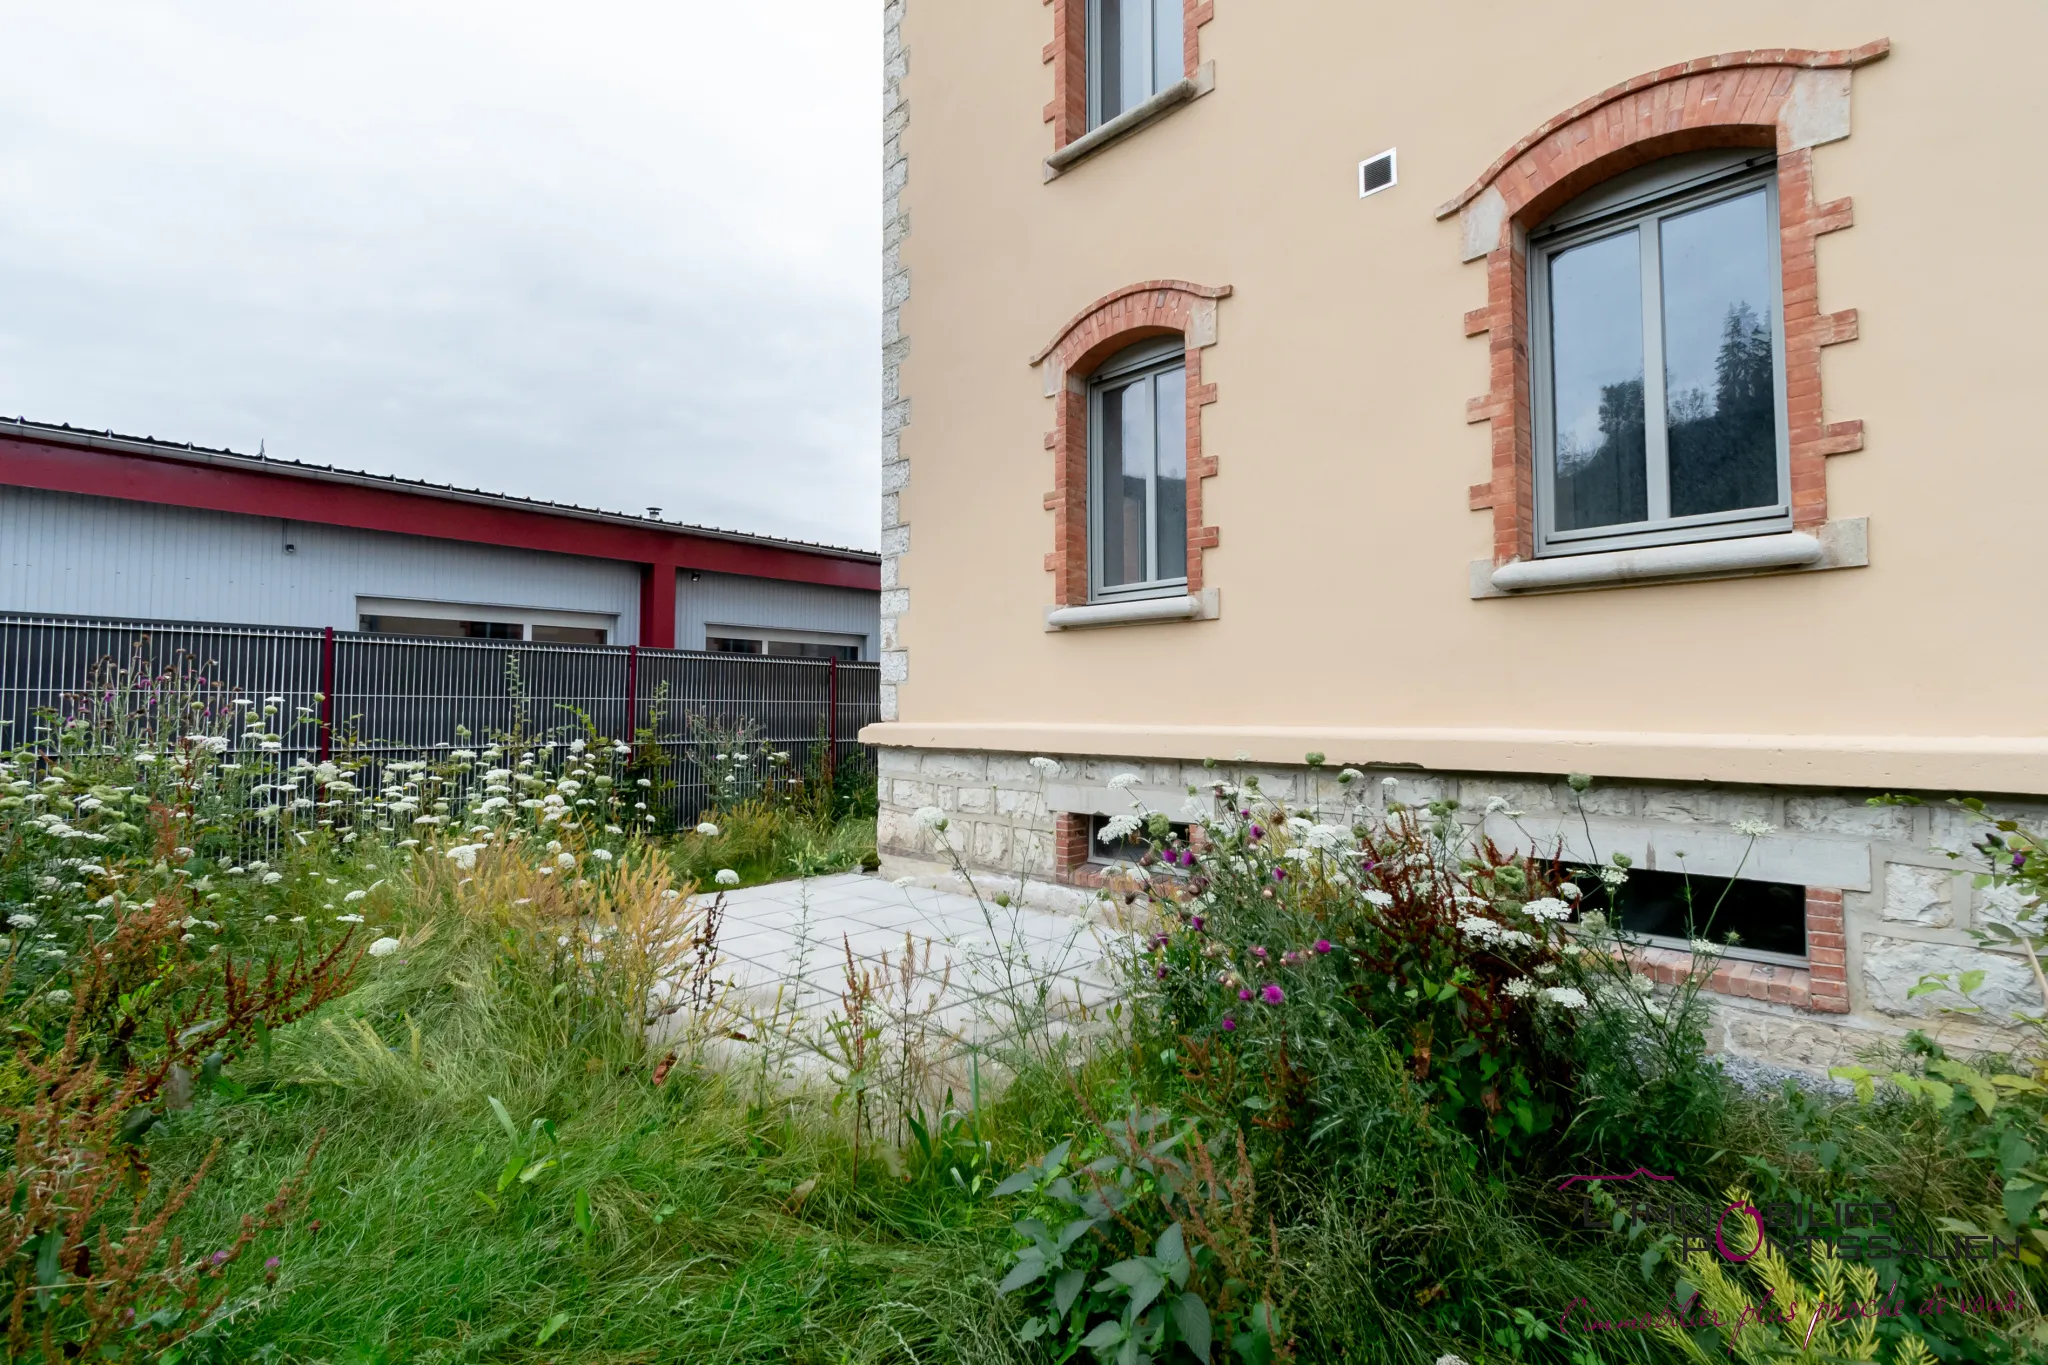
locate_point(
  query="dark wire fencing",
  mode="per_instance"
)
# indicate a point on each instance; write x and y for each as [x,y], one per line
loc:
[377,699]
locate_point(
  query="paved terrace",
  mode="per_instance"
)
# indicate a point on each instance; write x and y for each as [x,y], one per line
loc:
[784,947]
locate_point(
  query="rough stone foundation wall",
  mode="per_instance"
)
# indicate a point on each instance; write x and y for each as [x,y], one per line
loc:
[1904,907]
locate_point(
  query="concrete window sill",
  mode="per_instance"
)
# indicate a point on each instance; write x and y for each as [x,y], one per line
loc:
[1837,545]
[1203,606]
[1131,120]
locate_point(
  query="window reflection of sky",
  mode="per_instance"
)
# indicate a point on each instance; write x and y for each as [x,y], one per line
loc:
[1714,259]
[1596,311]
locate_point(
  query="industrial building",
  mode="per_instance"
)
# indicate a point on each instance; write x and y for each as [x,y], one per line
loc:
[95,524]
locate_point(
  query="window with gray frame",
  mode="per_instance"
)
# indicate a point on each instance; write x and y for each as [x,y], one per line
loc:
[1138,473]
[1657,345]
[1134,52]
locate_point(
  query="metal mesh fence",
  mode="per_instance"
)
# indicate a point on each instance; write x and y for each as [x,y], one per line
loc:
[381,698]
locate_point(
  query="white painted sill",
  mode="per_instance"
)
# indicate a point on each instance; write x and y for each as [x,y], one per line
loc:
[1131,120]
[1204,606]
[1837,545]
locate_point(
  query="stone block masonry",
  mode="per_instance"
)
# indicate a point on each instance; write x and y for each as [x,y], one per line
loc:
[1885,903]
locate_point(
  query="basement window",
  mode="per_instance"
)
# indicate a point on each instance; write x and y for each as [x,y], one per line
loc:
[1130,848]
[1765,921]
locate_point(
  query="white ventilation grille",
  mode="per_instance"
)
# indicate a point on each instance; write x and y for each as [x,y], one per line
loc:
[1376,173]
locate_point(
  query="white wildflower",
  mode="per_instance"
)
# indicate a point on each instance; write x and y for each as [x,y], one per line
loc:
[565,861]
[1120,827]
[1350,775]
[1705,948]
[727,877]
[603,855]
[904,881]
[385,947]
[1571,997]
[1614,876]
[270,919]
[58,997]
[931,817]
[349,919]
[1755,829]
[462,855]
[1046,767]
[1389,783]
[1379,898]
[708,830]
[1570,891]
[1520,988]
[1123,782]
[1547,908]
[1490,934]
[354,896]
[22,921]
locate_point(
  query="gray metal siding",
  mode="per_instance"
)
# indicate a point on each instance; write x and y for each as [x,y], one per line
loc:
[764,603]
[83,556]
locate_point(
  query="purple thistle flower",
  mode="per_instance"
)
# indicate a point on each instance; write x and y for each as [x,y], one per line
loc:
[1322,945]
[1196,924]
[1257,951]
[273,1263]
[1162,971]
[1279,874]
[1272,994]
[220,1258]
[1257,833]
[1229,1024]
[2019,861]
[1245,994]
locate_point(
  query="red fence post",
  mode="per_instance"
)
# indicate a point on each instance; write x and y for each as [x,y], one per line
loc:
[632,691]
[327,695]
[831,721]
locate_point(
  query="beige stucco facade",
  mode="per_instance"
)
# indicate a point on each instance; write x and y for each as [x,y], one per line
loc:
[1345,619]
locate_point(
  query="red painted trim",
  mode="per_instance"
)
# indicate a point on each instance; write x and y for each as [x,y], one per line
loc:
[658,605]
[140,478]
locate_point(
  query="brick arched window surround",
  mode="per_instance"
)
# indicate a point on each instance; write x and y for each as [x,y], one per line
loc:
[1068,55]
[1791,100]
[1105,327]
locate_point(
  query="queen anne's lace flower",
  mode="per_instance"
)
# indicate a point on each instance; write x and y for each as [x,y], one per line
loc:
[1119,827]
[931,817]
[1520,987]
[727,877]
[1548,908]
[1491,934]
[1755,829]
[1571,997]
[1046,767]
[1123,782]
[1379,898]
[385,947]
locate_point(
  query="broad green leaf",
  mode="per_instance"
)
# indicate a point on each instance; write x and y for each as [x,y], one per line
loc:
[585,1223]
[550,1327]
[1067,1288]
[1017,1183]
[1032,1330]
[504,1118]
[2014,1152]
[1105,1335]
[1858,1077]
[2019,1198]
[527,1176]
[1172,1245]
[1030,1266]
[1972,979]
[1191,1316]
[1074,1231]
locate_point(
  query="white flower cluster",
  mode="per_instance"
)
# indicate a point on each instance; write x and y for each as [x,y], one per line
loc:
[1492,934]
[1548,909]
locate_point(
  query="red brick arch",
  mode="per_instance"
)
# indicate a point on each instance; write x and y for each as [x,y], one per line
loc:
[1784,98]
[1118,319]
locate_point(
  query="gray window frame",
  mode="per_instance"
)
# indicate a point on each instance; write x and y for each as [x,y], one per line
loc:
[1141,361]
[1095,52]
[1638,203]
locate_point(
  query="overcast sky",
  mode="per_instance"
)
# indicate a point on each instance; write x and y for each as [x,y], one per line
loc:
[622,254]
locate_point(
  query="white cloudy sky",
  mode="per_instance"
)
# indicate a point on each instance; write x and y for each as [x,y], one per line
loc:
[619,252]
